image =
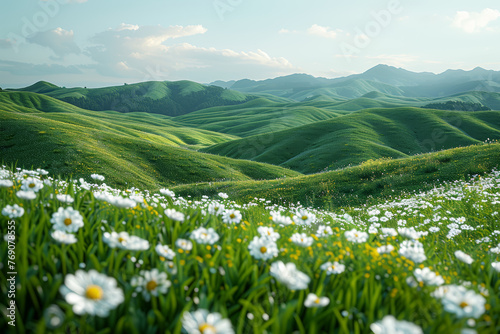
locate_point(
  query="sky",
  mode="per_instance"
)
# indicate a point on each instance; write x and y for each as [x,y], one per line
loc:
[97,43]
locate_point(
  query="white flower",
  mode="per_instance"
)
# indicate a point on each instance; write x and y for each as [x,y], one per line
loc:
[120,202]
[314,301]
[324,231]
[27,195]
[303,217]
[31,184]
[150,283]
[125,241]
[263,248]
[268,232]
[223,195]
[434,229]
[13,211]
[6,183]
[167,192]
[91,293]
[428,277]
[63,238]
[65,198]
[385,249]
[333,268]
[280,220]
[496,266]
[165,251]
[67,220]
[289,275]
[174,215]
[203,322]
[409,232]
[302,239]
[465,258]
[97,177]
[231,216]
[205,236]
[389,325]
[216,208]
[462,302]
[413,250]
[184,244]
[356,236]
[388,232]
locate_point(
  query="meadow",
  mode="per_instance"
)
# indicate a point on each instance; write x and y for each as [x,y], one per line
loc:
[91,258]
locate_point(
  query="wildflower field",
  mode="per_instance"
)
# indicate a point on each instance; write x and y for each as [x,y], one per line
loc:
[89,258]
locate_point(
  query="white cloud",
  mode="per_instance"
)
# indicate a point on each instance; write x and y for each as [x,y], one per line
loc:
[400,60]
[284,31]
[7,43]
[60,41]
[473,22]
[325,32]
[131,51]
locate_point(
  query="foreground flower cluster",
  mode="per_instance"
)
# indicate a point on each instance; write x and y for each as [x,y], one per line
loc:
[429,262]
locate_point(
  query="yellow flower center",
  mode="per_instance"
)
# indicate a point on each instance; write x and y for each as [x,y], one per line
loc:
[268,233]
[355,235]
[67,221]
[317,301]
[204,235]
[232,216]
[120,240]
[333,267]
[263,249]
[216,208]
[206,328]
[463,305]
[151,285]
[31,185]
[94,292]
[304,217]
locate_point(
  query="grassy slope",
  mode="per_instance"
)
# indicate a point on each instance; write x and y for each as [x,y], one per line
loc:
[364,135]
[381,178]
[141,149]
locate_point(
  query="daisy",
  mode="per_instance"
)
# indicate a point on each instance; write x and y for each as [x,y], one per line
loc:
[289,275]
[303,217]
[263,248]
[125,241]
[31,184]
[462,302]
[385,249]
[203,322]
[333,268]
[231,216]
[268,232]
[356,236]
[167,192]
[281,220]
[165,251]
[496,266]
[314,301]
[465,258]
[65,198]
[97,177]
[223,195]
[428,277]
[324,231]
[174,215]
[67,220]
[120,202]
[389,324]
[6,183]
[150,283]
[413,250]
[27,195]
[302,239]
[184,244]
[13,211]
[63,238]
[216,208]
[91,293]
[205,236]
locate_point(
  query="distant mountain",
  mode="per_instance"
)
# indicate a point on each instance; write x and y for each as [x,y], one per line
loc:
[159,97]
[405,83]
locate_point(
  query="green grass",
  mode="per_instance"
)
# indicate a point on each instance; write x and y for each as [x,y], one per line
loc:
[133,148]
[357,185]
[364,135]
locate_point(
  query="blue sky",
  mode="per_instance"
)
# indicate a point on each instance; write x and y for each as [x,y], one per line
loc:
[107,42]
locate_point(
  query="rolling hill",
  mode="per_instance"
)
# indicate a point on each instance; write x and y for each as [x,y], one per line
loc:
[133,148]
[364,135]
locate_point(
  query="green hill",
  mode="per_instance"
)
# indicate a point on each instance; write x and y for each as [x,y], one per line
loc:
[364,135]
[166,98]
[135,148]
[374,179]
